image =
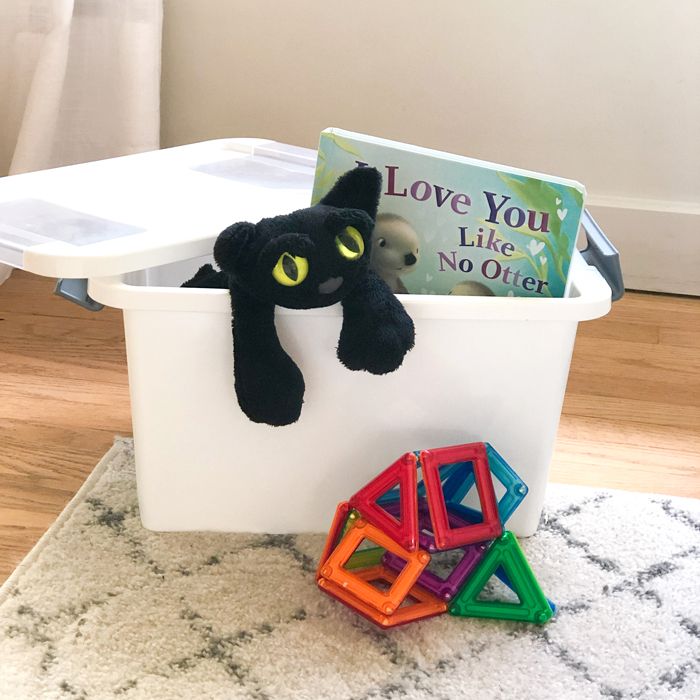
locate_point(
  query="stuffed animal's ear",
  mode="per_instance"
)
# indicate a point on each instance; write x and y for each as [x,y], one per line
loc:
[356,189]
[231,245]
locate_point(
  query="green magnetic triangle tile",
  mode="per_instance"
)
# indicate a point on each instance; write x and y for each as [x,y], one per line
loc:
[505,552]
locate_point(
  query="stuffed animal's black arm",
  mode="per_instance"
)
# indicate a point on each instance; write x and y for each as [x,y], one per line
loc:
[377,332]
[269,385]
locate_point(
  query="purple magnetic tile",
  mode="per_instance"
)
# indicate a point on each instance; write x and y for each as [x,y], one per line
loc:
[445,588]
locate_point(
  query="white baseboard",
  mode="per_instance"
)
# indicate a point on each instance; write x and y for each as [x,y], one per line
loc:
[659,242]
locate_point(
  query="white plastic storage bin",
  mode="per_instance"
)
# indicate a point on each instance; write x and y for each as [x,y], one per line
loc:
[483,368]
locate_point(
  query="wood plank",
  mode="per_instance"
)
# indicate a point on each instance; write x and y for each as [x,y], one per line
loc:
[63,397]
[622,454]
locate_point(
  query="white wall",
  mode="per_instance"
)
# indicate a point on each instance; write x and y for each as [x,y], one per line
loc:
[603,91]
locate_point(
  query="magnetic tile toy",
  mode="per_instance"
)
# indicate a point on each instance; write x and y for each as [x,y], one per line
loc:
[418,603]
[377,557]
[334,568]
[447,537]
[404,528]
[504,553]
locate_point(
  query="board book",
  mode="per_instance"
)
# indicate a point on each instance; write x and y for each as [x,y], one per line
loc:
[450,224]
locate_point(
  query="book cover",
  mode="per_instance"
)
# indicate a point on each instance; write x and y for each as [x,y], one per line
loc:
[449,224]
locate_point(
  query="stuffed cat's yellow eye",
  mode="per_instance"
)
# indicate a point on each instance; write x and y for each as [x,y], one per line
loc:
[290,270]
[349,243]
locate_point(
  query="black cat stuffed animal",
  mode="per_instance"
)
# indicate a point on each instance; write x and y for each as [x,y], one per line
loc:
[310,258]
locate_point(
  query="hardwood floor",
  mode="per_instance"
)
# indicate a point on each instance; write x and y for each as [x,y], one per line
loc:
[631,415]
[63,396]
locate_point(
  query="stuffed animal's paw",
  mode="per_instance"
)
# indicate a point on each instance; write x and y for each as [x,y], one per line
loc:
[270,392]
[377,348]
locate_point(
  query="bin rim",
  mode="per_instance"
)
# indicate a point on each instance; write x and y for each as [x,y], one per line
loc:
[590,297]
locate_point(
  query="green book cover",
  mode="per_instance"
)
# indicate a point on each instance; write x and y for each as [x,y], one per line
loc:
[449,224]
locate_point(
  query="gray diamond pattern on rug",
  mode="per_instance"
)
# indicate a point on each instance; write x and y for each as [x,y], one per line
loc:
[105,609]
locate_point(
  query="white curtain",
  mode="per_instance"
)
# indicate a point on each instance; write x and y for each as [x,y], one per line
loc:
[79,81]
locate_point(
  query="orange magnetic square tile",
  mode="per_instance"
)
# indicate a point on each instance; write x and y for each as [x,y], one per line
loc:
[424,604]
[353,581]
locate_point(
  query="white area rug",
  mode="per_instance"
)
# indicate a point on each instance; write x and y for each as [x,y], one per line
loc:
[102,608]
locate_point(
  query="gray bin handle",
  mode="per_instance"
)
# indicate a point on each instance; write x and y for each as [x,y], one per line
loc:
[603,255]
[75,290]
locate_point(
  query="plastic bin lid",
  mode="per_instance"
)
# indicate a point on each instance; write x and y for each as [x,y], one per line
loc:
[129,213]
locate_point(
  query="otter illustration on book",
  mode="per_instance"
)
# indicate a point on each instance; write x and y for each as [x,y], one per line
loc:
[395,250]
[452,225]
